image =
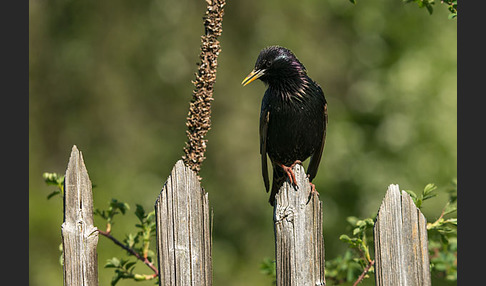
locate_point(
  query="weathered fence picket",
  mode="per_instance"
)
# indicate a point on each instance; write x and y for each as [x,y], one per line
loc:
[299,243]
[79,235]
[400,236]
[183,230]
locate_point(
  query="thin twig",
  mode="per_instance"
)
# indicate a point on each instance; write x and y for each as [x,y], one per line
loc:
[367,268]
[133,252]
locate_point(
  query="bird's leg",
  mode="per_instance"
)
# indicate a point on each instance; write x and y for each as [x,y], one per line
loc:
[313,187]
[290,172]
[313,190]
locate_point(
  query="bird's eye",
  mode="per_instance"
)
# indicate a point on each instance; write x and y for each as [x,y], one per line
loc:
[268,64]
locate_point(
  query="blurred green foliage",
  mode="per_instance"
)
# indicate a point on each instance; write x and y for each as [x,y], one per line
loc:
[114,78]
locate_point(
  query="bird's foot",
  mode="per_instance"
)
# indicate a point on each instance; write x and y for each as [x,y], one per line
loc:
[290,172]
[313,191]
[313,188]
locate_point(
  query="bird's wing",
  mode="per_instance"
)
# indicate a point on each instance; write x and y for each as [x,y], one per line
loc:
[316,157]
[264,116]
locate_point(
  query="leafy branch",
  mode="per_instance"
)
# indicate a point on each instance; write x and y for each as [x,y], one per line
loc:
[124,270]
[429,5]
[443,239]
[361,239]
[137,245]
[54,179]
[426,194]
[114,208]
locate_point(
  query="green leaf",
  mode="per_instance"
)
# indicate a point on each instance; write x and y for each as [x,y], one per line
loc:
[129,265]
[116,205]
[131,239]
[352,220]
[53,178]
[102,214]
[113,263]
[268,267]
[427,193]
[453,14]
[452,221]
[150,254]
[123,262]
[429,188]
[429,7]
[344,238]
[116,278]
[151,216]
[369,222]
[361,223]
[450,208]
[140,213]
[53,194]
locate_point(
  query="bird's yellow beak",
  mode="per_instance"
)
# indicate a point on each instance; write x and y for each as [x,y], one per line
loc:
[255,74]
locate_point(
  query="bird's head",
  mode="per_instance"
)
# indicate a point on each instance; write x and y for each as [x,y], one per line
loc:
[275,66]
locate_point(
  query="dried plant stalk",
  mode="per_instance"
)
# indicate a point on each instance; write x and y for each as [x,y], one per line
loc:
[199,116]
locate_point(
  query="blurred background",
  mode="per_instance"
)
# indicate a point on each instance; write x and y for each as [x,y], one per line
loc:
[114,78]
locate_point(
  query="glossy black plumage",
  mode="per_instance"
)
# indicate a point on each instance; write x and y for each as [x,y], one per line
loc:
[293,116]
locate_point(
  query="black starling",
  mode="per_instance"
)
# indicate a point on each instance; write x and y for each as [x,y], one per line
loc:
[293,116]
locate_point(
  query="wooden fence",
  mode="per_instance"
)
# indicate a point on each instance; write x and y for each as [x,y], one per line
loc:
[184,240]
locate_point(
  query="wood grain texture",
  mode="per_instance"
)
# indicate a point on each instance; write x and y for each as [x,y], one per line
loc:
[299,243]
[400,242]
[79,235]
[183,230]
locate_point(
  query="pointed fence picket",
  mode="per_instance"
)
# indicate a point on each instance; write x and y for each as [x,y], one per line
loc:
[400,236]
[79,235]
[183,230]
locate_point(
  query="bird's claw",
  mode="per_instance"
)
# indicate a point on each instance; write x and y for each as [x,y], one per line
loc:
[290,172]
[313,191]
[313,188]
